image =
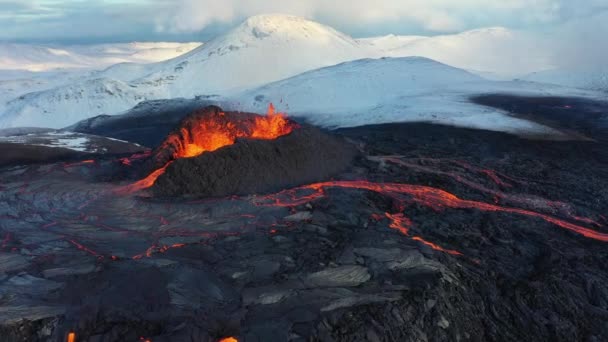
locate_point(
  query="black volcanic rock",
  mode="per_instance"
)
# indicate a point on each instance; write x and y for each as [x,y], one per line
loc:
[249,166]
[74,256]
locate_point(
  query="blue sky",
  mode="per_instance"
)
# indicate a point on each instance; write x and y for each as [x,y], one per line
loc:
[94,21]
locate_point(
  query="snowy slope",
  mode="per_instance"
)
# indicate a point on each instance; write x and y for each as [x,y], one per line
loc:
[494,50]
[372,91]
[269,48]
[361,84]
[40,58]
[28,69]
[65,105]
[47,58]
[587,78]
[263,49]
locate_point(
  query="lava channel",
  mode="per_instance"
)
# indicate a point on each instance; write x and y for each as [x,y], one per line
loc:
[424,195]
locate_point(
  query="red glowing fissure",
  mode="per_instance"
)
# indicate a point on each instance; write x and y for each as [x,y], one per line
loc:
[528,200]
[431,197]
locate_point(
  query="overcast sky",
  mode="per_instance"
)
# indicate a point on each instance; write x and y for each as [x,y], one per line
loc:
[93,21]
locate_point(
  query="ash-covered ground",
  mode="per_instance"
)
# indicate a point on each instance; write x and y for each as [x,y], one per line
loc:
[435,233]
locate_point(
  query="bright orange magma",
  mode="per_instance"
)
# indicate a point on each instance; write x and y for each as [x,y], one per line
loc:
[210,135]
[229,339]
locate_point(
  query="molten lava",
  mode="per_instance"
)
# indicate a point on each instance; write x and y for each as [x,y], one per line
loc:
[215,131]
[435,246]
[271,126]
[400,223]
[146,182]
[431,197]
[229,339]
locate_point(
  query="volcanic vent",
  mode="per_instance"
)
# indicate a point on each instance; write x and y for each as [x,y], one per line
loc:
[216,153]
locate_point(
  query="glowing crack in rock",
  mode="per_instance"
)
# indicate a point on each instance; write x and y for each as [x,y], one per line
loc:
[428,196]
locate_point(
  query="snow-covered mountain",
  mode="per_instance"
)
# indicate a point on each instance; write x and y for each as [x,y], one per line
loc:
[495,50]
[64,105]
[269,48]
[595,78]
[37,58]
[263,49]
[27,69]
[358,85]
[394,90]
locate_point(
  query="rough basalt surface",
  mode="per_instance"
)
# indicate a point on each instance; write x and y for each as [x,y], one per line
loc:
[293,267]
[250,166]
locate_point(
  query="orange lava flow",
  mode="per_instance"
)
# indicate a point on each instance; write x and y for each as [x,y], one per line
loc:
[214,132]
[435,246]
[400,223]
[83,248]
[72,337]
[434,198]
[144,183]
[229,339]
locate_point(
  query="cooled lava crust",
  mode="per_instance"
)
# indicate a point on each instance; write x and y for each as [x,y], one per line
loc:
[439,234]
[249,165]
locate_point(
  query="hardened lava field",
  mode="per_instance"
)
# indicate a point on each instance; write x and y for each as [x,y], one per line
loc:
[429,232]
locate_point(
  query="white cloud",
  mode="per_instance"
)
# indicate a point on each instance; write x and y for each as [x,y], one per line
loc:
[571,32]
[581,42]
[432,15]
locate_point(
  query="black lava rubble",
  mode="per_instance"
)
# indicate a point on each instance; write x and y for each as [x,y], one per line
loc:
[320,263]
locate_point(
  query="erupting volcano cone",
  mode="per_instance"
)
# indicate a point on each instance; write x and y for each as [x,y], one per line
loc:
[217,153]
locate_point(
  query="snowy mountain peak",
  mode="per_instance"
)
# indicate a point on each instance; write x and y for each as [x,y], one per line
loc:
[287,26]
[282,28]
[252,54]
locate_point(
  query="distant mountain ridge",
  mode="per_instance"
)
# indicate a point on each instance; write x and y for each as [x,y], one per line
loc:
[38,58]
[252,54]
[262,50]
